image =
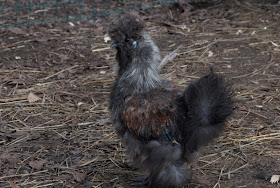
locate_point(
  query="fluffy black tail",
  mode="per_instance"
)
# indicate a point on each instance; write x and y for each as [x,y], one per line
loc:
[208,103]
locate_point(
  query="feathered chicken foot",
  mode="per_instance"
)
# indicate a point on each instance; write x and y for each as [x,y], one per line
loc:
[141,181]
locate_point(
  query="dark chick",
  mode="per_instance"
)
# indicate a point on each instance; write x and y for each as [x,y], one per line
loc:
[161,126]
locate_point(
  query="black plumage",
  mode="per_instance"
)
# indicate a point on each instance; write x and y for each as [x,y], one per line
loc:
[161,126]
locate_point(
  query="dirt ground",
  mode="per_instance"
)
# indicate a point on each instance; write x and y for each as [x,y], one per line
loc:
[55,80]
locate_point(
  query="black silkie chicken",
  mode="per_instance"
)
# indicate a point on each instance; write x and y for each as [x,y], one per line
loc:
[161,126]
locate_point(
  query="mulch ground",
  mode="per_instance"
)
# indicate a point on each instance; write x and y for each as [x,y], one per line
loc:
[55,81]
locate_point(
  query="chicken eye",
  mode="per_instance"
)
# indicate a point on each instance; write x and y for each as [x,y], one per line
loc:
[127,39]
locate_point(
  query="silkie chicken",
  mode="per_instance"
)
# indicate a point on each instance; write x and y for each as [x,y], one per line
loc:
[161,126]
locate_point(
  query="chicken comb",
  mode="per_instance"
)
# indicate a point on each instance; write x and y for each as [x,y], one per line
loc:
[130,26]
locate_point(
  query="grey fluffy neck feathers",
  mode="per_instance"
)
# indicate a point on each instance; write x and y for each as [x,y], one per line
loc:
[141,80]
[142,74]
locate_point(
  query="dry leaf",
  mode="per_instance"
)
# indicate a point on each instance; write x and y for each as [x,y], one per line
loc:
[11,172]
[5,157]
[275,178]
[17,30]
[239,32]
[102,122]
[79,177]
[37,164]
[63,57]
[210,54]
[71,24]
[68,117]
[32,97]
[107,38]
[13,185]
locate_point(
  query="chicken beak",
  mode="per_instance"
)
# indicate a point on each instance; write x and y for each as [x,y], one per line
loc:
[114,45]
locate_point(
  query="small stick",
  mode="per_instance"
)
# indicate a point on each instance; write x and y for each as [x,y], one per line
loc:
[12,99]
[256,137]
[235,170]
[87,162]
[96,81]
[23,175]
[61,72]
[15,44]
[100,49]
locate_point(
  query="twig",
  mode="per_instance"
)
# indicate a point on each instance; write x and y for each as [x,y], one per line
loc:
[100,49]
[256,137]
[97,81]
[22,175]
[13,99]
[235,170]
[61,72]
[87,162]
[15,44]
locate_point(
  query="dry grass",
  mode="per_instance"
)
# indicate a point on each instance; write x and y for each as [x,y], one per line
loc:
[65,138]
